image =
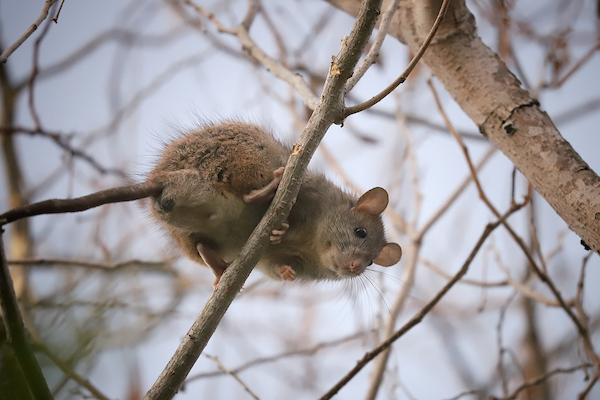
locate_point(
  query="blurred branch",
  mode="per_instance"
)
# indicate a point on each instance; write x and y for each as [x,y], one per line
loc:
[62,141]
[432,266]
[146,265]
[326,113]
[16,333]
[558,82]
[540,379]
[373,53]
[10,49]
[68,371]
[233,375]
[57,206]
[459,190]
[33,75]
[275,67]
[309,351]
[142,94]
[414,321]
[121,36]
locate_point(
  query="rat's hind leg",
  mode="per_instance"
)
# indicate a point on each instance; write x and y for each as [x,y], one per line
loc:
[287,273]
[213,260]
[265,193]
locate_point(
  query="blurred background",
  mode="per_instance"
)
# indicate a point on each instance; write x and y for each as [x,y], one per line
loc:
[87,104]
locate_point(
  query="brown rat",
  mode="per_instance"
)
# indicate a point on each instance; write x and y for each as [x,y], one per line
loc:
[218,182]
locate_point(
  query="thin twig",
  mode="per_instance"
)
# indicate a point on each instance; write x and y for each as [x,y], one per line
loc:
[433,267]
[55,19]
[536,381]
[275,67]
[145,265]
[371,57]
[309,351]
[233,375]
[33,76]
[558,83]
[452,198]
[17,334]
[10,49]
[413,63]
[62,141]
[57,206]
[68,371]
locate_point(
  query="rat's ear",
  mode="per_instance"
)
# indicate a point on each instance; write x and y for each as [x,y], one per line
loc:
[389,255]
[372,202]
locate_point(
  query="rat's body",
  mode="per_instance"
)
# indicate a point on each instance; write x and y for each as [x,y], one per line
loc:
[218,181]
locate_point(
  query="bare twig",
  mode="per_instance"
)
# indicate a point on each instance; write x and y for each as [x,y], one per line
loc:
[146,265]
[559,82]
[326,113]
[514,394]
[33,76]
[17,334]
[452,198]
[55,19]
[309,351]
[68,371]
[413,63]
[10,49]
[233,375]
[275,67]
[373,53]
[433,267]
[62,141]
[57,206]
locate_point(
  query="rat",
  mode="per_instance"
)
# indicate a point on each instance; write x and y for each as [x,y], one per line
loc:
[218,183]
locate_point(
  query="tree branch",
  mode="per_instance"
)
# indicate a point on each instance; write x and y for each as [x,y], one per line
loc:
[57,206]
[10,49]
[17,334]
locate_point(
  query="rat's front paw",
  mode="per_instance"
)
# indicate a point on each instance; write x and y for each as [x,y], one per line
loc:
[278,233]
[265,193]
[287,273]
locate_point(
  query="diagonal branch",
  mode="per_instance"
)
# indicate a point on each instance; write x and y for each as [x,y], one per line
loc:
[10,49]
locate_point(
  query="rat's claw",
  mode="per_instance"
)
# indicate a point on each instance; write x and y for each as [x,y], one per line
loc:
[278,233]
[287,273]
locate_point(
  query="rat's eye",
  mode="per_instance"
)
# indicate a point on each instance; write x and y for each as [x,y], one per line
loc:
[166,204]
[371,263]
[360,232]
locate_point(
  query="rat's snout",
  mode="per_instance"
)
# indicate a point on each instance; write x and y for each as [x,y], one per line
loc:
[345,264]
[356,266]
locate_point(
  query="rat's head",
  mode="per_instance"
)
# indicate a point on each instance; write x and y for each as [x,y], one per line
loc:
[352,237]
